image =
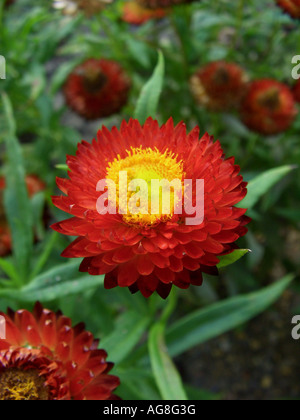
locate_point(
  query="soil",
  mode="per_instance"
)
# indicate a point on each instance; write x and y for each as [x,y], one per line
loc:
[259,362]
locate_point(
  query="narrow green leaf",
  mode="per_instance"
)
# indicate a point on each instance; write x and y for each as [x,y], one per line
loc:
[261,184]
[229,259]
[149,98]
[46,294]
[127,334]
[60,273]
[45,254]
[210,322]
[9,269]
[17,203]
[62,73]
[166,375]
[136,384]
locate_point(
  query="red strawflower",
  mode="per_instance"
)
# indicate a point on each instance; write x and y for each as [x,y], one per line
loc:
[292,7]
[296,91]
[34,185]
[268,107]
[151,252]
[44,358]
[155,4]
[136,14]
[219,86]
[97,88]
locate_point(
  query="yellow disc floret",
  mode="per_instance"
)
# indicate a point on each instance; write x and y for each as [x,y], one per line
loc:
[18,385]
[144,169]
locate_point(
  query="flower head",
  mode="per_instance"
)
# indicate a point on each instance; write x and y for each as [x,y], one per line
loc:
[97,88]
[219,86]
[155,4]
[145,250]
[292,7]
[34,185]
[137,14]
[89,7]
[296,91]
[44,358]
[268,107]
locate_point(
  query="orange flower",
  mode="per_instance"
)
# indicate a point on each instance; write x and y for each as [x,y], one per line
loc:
[44,358]
[34,185]
[151,251]
[97,88]
[292,7]
[219,86]
[269,107]
[136,14]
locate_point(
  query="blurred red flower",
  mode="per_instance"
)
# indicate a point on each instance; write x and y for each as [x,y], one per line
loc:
[219,86]
[44,358]
[151,252]
[34,185]
[136,14]
[292,7]
[296,91]
[269,107]
[97,88]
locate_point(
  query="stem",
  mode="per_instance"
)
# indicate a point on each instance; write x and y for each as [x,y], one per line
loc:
[169,309]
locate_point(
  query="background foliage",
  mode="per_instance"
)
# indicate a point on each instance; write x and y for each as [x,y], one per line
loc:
[41,46]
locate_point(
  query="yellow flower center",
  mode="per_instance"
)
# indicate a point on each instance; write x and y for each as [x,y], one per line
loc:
[18,385]
[154,169]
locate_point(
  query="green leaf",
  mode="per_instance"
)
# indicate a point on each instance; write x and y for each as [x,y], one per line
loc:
[136,384]
[210,322]
[127,334]
[8,268]
[149,98]
[45,254]
[17,203]
[229,259]
[62,73]
[60,273]
[262,184]
[58,282]
[166,375]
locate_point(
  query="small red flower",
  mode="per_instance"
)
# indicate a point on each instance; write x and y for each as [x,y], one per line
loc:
[219,86]
[269,107]
[97,88]
[136,14]
[151,252]
[155,4]
[296,91]
[34,185]
[292,7]
[44,358]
